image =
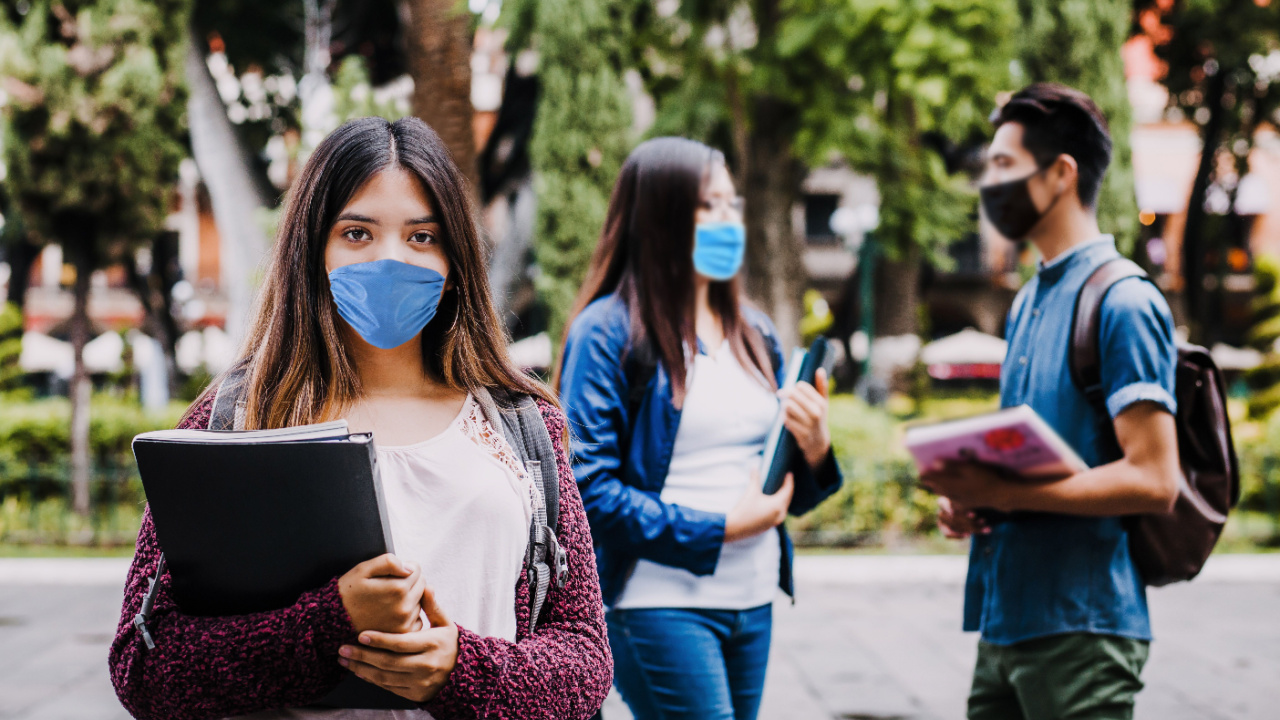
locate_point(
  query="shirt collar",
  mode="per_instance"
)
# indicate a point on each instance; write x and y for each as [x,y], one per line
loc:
[1052,272]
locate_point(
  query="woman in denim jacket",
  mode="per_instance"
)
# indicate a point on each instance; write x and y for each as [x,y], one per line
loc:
[670,383]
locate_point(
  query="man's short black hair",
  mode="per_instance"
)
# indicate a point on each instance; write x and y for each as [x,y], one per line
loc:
[1058,120]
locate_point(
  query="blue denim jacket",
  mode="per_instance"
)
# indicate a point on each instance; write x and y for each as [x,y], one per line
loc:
[1041,574]
[621,462]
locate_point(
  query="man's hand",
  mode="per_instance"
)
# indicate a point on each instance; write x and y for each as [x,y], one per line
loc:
[969,485]
[959,522]
[412,665]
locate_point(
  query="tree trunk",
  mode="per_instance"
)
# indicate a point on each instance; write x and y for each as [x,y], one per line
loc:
[775,262]
[1193,240]
[235,191]
[438,45]
[898,293]
[154,291]
[21,256]
[82,254]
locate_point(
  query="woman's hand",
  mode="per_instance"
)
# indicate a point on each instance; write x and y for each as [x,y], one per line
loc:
[412,665]
[383,594]
[804,408]
[756,512]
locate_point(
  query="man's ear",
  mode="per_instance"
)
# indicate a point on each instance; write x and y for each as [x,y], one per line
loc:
[1066,174]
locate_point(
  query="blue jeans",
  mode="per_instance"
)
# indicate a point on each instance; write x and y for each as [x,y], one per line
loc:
[678,664]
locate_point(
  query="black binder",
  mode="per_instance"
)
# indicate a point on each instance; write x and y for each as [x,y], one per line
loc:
[780,446]
[249,521]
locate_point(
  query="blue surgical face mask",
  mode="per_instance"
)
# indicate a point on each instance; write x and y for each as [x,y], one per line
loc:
[718,249]
[388,302]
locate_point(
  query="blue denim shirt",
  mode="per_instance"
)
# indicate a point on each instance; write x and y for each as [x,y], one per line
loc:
[1041,574]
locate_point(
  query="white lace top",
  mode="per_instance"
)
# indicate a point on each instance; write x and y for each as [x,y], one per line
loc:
[460,505]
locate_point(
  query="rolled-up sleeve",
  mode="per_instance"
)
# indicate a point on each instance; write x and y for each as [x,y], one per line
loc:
[1138,349]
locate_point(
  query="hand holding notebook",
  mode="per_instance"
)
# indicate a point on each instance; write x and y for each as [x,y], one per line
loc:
[1016,440]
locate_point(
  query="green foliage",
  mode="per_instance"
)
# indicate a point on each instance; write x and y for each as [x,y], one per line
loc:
[881,83]
[95,112]
[1077,43]
[34,471]
[10,346]
[1264,380]
[355,97]
[581,134]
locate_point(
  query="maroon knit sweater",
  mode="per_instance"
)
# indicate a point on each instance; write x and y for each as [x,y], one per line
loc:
[216,667]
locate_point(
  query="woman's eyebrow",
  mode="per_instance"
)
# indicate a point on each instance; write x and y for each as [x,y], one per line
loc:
[424,220]
[351,217]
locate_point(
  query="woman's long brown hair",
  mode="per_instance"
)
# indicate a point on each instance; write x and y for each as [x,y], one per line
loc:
[299,368]
[645,255]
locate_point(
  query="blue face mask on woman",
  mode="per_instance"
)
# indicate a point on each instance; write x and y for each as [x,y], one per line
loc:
[388,302]
[718,249]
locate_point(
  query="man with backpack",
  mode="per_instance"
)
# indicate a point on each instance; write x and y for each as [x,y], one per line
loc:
[1052,585]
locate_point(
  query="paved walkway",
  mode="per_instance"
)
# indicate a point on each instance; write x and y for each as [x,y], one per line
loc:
[870,638]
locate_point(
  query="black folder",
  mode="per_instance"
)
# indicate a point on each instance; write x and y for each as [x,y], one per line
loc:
[249,521]
[780,446]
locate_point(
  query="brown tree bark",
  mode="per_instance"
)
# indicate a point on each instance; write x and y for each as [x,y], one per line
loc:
[438,45]
[897,304]
[1194,242]
[81,390]
[775,255]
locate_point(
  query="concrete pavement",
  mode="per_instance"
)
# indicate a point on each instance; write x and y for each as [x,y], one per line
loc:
[870,637]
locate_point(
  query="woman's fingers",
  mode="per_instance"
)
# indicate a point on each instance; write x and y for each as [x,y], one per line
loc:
[386,565]
[435,614]
[375,662]
[402,643]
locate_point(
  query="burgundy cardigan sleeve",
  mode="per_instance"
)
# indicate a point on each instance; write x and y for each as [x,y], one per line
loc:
[564,669]
[212,667]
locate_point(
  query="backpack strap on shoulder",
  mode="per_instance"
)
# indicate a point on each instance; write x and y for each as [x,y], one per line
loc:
[520,421]
[1085,355]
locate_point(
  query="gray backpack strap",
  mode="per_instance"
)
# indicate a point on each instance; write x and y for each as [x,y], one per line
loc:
[522,426]
[229,401]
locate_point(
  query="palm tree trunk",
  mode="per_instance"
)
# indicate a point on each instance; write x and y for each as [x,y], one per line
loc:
[1193,238]
[438,45]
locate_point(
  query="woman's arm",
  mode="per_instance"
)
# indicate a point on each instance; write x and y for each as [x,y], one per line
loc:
[596,393]
[210,667]
[564,669]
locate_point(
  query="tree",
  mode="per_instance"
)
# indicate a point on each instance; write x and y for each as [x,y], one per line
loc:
[581,133]
[438,36]
[889,87]
[1077,43]
[1220,73]
[96,95]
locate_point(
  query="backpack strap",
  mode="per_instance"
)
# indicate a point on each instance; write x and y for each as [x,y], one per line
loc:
[521,424]
[1084,356]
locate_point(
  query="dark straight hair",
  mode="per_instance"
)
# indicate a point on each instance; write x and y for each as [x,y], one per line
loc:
[1058,120]
[645,255]
[300,370]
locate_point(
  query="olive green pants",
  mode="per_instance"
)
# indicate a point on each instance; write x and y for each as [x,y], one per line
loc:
[1063,677]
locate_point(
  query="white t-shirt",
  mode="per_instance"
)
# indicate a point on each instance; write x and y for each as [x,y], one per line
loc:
[459,505]
[727,414]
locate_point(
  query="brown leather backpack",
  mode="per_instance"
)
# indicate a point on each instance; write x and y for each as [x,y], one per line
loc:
[1168,547]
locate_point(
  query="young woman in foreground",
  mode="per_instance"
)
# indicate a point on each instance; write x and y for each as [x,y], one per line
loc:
[376,309]
[670,383]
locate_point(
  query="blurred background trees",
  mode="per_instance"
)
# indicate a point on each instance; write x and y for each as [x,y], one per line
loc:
[96,91]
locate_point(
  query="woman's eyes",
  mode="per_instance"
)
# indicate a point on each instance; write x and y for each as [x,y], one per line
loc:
[360,235]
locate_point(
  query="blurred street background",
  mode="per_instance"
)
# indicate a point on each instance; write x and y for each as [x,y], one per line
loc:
[145,147]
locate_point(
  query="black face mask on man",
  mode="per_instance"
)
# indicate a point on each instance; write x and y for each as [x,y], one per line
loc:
[1010,209]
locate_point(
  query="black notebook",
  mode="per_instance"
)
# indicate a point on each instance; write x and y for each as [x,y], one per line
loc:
[249,521]
[780,446]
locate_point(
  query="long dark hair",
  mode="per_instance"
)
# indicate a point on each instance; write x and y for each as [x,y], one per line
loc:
[300,370]
[645,254]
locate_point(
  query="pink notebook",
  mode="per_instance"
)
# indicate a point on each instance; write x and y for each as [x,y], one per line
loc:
[1015,438]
